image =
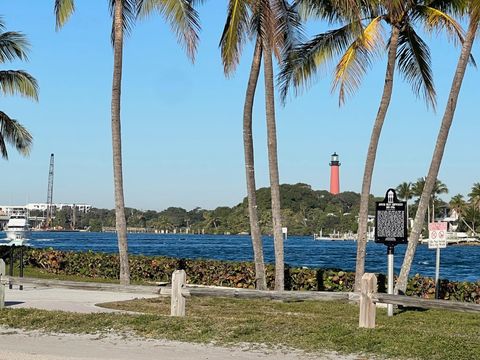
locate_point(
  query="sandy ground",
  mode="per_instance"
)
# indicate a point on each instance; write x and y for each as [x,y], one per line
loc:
[20,345]
[32,345]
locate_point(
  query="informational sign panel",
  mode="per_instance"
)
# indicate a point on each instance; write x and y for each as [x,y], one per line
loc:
[391,220]
[437,235]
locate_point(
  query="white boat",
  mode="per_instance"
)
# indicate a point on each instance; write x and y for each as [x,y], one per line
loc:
[17,228]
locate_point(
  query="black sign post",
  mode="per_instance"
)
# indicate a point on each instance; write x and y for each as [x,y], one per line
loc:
[391,230]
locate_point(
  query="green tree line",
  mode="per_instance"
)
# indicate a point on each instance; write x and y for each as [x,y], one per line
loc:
[305,211]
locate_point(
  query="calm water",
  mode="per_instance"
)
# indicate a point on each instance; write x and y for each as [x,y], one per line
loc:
[457,262]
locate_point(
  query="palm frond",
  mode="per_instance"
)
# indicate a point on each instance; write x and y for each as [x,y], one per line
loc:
[358,58]
[414,64]
[303,62]
[182,17]
[436,20]
[63,10]
[129,12]
[334,11]
[13,45]
[451,7]
[474,9]
[320,9]
[288,29]
[18,82]
[12,132]
[263,23]
[234,34]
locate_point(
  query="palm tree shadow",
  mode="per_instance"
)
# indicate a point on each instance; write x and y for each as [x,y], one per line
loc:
[12,303]
[404,309]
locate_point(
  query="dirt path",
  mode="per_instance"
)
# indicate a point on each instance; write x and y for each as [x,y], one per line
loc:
[23,345]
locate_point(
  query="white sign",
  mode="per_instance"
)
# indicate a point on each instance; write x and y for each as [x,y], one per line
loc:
[437,235]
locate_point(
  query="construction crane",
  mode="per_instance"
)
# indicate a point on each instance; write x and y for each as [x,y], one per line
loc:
[50,194]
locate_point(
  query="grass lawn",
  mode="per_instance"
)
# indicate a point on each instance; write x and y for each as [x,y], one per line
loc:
[309,325]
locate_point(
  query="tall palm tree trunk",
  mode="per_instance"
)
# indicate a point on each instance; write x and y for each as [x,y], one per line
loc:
[121,223]
[260,278]
[273,168]
[438,153]
[371,155]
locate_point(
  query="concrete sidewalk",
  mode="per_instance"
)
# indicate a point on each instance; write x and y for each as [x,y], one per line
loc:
[81,301]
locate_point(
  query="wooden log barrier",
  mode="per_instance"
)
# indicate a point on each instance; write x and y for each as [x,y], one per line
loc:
[369,297]
[426,303]
[179,280]
[227,292]
[368,308]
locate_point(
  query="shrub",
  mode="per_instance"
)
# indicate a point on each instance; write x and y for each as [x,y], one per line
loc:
[230,274]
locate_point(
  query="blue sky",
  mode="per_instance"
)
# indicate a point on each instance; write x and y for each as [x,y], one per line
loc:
[182,123]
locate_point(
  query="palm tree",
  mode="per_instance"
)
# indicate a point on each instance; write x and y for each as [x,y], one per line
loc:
[465,54]
[417,187]
[14,46]
[471,219]
[457,205]
[274,25]
[404,191]
[438,189]
[360,43]
[475,195]
[184,21]
[123,15]
[236,29]
[475,201]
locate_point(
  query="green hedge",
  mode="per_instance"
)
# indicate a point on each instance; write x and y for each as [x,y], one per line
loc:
[230,274]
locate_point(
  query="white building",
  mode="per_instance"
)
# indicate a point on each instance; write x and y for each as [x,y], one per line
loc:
[84,208]
[7,210]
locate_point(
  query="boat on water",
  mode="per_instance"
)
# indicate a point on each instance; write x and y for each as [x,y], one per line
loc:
[343,236]
[457,238]
[17,228]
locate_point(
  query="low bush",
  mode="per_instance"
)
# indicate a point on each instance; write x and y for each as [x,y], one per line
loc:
[230,274]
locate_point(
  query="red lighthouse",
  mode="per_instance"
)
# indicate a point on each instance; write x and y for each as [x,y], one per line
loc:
[334,175]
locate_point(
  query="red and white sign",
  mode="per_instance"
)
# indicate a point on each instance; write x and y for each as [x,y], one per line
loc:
[438,226]
[437,235]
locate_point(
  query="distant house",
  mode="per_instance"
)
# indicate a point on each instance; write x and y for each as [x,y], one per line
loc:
[84,208]
[7,210]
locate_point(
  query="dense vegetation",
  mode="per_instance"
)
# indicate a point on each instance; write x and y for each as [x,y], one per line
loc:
[305,211]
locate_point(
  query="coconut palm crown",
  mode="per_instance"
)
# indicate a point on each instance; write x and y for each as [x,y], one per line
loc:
[179,14]
[474,195]
[363,38]
[14,46]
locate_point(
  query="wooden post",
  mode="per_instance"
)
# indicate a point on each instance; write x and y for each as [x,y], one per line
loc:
[367,306]
[2,284]
[178,301]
